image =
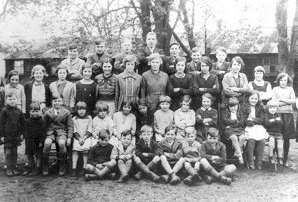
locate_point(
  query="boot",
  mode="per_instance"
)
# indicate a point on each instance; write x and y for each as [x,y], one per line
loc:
[175,179]
[195,178]
[35,171]
[188,181]
[74,172]
[9,173]
[138,176]
[225,180]
[154,177]
[89,177]
[260,152]
[45,169]
[124,175]
[208,179]
[250,153]
[62,169]
[146,170]
[165,178]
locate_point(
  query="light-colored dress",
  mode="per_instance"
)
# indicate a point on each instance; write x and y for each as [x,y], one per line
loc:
[82,126]
[99,124]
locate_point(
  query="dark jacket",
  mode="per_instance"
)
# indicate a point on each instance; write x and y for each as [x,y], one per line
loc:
[259,112]
[207,152]
[35,129]
[142,57]
[175,149]
[276,126]
[96,58]
[142,147]
[99,154]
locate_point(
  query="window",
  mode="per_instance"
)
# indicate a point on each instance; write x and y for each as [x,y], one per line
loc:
[19,66]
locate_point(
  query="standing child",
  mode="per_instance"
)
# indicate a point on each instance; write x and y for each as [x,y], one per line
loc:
[35,131]
[99,162]
[143,117]
[220,67]
[123,154]
[194,67]
[82,136]
[11,129]
[170,151]
[179,83]
[60,129]
[213,161]
[163,117]
[145,157]
[184,117]
[206,117]
[285,96]
[253,113]
[18,89]
[233,123]
[274,125]
[125,120]
[171,61]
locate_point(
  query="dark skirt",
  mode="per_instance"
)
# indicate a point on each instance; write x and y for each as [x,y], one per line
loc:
[32,147]
[233,131]
[288,125]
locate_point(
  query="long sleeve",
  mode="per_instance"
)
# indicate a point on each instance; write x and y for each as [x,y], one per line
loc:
[115,153]
[70,125]
[2,122]
[189,90]
[134,125]
[143,87]
[215,87]
[204,153]
[73,96]
[91,157]
[177,154]
[226,87]
[23,99]
[117,94]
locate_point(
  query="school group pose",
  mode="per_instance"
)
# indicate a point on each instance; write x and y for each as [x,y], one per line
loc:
[147,115]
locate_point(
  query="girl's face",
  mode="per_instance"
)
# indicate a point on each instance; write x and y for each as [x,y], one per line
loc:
[102,114]
[283,81]
[14,80]
[126,109]
[155,64]
[127,47]
[206,102]
[196,57]
[107,68]
[164,106]
[103,141]
[143,109]
[62,73]
[204,68]
[233,108]
[272,109]
[130,66]
[81,112]
[221,56]
[180,66]
[170,135]
[253,99]
[259,75]
[87,73]
[236,67]
[185,106]
[38,75]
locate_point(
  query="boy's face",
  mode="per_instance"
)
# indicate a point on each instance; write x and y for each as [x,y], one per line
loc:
[127,47]
[151,41]
[38,75]
[126,109]
[143,109]
[190,137]
[180,66]
[212,139]
[11,101]
[164,106]
[196,57]
[174,50]
[147,135]
[103,141]
[259,75]
[185,106]
[170,135]
[87,73]
[81,112]
[35,113]
[130,66]
[73,53]
[126,140]
[233,108]
[62,73]
[204,67]
[100,48]
[206,102]
[57,103]
[221,56]
[107,68]
[236,67]
[102,114]
[272,109]
[14,80]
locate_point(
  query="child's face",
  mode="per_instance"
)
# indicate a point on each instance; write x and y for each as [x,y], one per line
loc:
[206,102]
[35,113]
[102,114]
[151,41]
[204,68]
[180,66]
[253,100]
[14,80]
[57,103]
[170,135]
[62,73]
[236,67]
[87,73]
[130,66]
[283,81]
[143,109]
[190,137]
[11,101]
[185,106]
[221,56]
[126,140]
[212,139]
[155,64]
[126,109]
[73,53]
[233,108]
[174,50]
[272,109]
[103,141]
[259,75]
[164,106]
[107,68]
[81,112]
[100,48]
[38,75]
[196,57]
[127,47]
[147,135]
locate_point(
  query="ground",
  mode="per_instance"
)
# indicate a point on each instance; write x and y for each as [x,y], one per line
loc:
[248,185]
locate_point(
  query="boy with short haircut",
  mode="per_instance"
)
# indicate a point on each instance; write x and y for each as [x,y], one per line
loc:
[73,63]
[194,67]
[60,129]
[99,162]
[163,117]
[123,154]
[171,61]
[145,157]
[126,48]
[213,154]
[220,67]
[170,151]
[11,129]
[143,117]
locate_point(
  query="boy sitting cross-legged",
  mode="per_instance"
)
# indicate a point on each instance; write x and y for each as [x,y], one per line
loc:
[169,150]
[145,157]
[214,157]
[123,153]
[99,162]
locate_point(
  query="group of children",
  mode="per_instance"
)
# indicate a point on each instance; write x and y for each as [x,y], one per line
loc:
[127,124]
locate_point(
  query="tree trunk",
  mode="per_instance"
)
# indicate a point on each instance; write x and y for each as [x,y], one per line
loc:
[187,25]
[281,25]
[293,57]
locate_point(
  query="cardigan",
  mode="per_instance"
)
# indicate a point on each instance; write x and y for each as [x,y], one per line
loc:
[142,147]
[174,149]
[211,84]
[229,81]
[119,150]
[207,151]
[191,150]
[99,154]
[67,95]
[276,126]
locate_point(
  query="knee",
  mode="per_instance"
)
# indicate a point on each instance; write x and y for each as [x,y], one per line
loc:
[47,143]
[112,163]
[89,167]
[156,159]
[233,138]
[136,159]
[61,144]
[187,164]
[204,162]
[163,158]
[242,138]
[230,169]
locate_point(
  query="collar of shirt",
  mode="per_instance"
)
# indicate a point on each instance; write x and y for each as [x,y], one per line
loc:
[126,75]
[38,84]
[11,86]
[204,109]
[180,76]
[154,74]
[73,61]
[57,112]
[259,83]
[61,82]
